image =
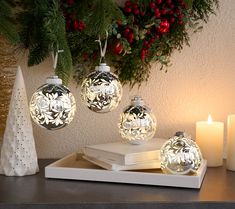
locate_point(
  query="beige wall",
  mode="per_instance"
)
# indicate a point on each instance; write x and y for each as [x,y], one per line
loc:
[200,81]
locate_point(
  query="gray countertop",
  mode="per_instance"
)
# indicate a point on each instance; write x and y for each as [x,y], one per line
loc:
[36,192]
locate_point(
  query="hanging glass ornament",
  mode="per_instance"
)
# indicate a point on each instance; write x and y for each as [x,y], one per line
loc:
[137,123]
[180,155]
[101,90]
[52,106]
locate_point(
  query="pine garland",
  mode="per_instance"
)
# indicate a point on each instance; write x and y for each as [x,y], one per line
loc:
[141,32]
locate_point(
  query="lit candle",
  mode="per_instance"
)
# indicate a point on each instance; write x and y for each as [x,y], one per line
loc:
[231,143]
[210,137]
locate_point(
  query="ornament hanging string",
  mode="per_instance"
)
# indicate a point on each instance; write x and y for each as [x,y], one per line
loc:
[55,57]
[103,50]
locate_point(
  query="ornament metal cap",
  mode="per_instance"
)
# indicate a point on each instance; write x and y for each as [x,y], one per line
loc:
[103,67]
[54,80]
[137,100]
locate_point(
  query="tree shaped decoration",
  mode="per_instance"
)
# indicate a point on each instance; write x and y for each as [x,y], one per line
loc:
[18,155]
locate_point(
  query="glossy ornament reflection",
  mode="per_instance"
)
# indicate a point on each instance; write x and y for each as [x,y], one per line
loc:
[101,91]
[52,106]
[137,123]
[180,155]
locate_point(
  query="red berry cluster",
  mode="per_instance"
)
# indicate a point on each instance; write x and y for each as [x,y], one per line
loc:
[164,13]
[72,23]
[128,34]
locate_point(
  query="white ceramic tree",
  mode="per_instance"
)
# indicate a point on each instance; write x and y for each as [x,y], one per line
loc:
[18,154]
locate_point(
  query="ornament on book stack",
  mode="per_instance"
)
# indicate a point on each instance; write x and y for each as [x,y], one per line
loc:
[101,90]
[137,123]
[53,106]
[180,155]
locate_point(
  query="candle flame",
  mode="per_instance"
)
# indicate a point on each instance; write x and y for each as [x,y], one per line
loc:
[209,119]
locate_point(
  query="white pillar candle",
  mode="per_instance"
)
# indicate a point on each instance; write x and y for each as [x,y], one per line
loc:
[230,162]
[210,137]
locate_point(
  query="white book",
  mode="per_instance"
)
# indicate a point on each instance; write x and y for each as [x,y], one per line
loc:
[106,164]
[124,153]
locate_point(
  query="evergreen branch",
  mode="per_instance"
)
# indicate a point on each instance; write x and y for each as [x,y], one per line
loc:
[102,14]
[43,31]
[7,26]
[201,9]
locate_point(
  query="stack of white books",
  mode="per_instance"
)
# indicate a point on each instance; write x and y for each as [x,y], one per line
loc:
[119,155]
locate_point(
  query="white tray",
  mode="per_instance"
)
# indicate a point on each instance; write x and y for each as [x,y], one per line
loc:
[75,167]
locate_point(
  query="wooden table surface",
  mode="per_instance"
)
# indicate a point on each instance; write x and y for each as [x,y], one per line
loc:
[36,192]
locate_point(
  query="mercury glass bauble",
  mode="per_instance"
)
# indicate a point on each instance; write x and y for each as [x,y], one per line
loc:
[137,123]
[101,91]
[52,106]
[180,155]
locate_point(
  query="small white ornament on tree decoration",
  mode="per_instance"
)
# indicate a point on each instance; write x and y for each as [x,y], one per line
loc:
[101,90]
[18,154]
[137,123]
[52,106]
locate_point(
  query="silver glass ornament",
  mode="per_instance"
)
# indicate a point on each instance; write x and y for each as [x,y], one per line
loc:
[101,91]
[137,123]
[52,106]
[180,155]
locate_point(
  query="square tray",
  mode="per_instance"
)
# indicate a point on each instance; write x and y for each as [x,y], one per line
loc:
[76,168]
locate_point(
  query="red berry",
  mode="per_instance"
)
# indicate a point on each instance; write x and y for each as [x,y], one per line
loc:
[180,16]
[146,43]
[142,54]
[152,40]
[141,13]
[170,12]
[163,11]
[157,13]
[172,20]
[177,11]
[148,32]
[131,36]
[172,6]
[75,25]
[127,30]
[130,40]
[135,6]
[81,25]
[168,1]
[127,9]
[118,48]
[164,26]
[158,1]
[180,22]
[157,36]
[136,11]
[152,5]
[128,3]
